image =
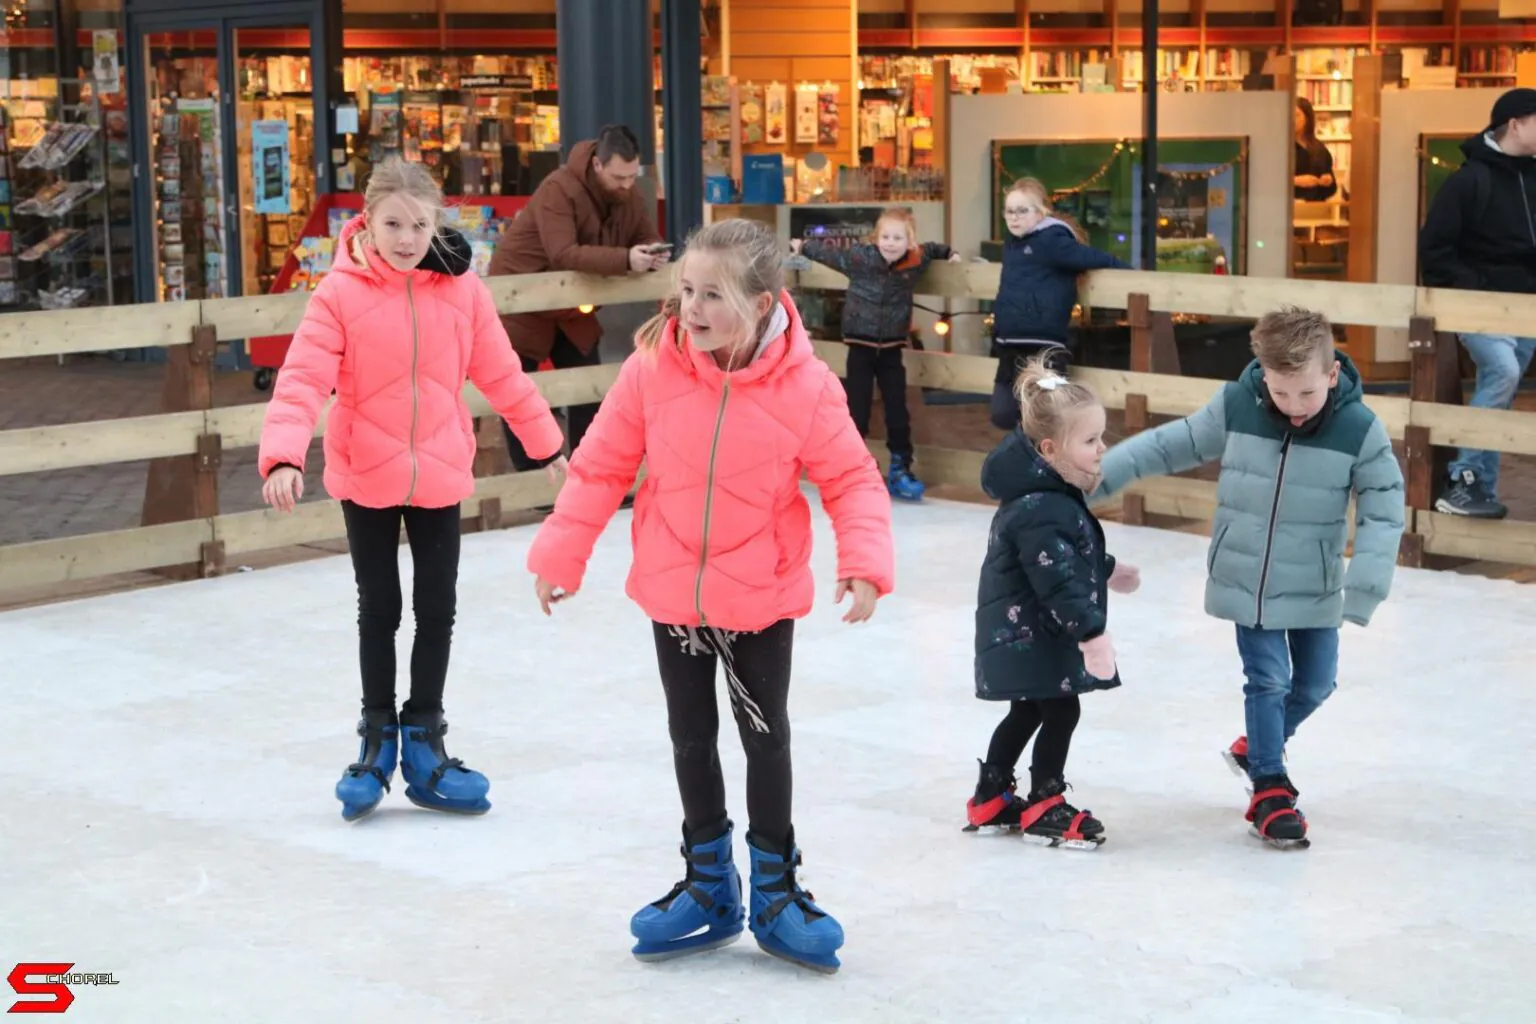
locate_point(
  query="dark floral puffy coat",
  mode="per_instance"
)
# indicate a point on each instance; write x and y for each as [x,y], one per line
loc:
[1044,583]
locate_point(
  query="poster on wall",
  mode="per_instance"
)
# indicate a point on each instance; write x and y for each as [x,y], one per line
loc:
[104,61]
[826,116]
[270,168]
[775,114]
[751,113]
[805,114]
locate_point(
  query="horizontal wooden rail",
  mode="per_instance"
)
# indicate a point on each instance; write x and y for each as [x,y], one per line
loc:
[131,439]
[101,442]
[144,325]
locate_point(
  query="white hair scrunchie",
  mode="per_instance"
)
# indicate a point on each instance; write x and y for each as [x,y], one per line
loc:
[1051,382]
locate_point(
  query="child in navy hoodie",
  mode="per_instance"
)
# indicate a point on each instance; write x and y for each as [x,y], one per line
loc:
[1043,257]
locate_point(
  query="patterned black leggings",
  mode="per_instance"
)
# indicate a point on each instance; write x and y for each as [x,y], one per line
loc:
[757,669]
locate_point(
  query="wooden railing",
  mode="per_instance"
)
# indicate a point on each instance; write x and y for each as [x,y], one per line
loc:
[184,528]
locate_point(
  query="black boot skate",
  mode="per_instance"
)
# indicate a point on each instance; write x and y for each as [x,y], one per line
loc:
[996,805]
[1273,815]
[1050,821]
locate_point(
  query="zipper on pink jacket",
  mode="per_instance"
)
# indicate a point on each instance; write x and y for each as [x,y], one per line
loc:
[709,500]
[410,298]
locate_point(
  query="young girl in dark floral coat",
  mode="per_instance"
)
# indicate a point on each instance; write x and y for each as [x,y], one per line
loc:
[1042,607]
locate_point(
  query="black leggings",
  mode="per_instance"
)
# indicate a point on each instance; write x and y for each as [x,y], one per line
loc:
[374,537]
[757,676]
[866,366]
[1056,718]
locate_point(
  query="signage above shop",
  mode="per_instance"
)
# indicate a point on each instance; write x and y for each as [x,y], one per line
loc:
[496,82]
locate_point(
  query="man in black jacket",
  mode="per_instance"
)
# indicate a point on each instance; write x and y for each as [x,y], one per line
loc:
[1480,234]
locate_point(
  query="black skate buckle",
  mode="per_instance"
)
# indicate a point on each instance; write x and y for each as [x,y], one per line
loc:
[358,770]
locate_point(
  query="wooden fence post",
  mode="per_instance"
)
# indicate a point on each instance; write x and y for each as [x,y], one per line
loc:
[1434,376]
[186,487]
[1153,347]
[1134,509]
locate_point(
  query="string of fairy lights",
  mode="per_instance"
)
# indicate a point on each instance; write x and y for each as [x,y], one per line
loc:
[1127,147]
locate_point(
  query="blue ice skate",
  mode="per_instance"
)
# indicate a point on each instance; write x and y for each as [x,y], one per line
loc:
[703,911]
[785,918]
[433,779]
[900,481]
[364,783]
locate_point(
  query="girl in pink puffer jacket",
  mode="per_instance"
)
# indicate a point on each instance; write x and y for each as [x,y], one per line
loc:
[395,330]
[726,403]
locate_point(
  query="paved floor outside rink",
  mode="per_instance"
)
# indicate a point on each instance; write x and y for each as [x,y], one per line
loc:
[168,817]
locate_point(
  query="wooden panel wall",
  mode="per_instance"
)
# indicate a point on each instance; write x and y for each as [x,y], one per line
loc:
[791,41]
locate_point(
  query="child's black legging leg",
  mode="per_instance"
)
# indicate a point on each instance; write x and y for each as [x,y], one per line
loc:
[891,371]
[859,383]
[1058,720]
[757,670]
[373,540]
[434,538]
[1012,734]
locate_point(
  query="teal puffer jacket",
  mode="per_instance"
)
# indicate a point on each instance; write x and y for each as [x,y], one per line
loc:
[1276,559]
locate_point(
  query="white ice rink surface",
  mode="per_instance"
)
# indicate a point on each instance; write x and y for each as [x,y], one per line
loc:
[168,817]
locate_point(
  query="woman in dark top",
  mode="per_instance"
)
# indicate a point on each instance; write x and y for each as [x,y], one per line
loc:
[1314,180]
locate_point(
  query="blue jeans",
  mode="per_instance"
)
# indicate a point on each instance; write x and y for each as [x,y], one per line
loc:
[1290,673]
[1501,362]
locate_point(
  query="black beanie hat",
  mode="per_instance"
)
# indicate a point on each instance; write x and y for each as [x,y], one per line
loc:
[1514,104]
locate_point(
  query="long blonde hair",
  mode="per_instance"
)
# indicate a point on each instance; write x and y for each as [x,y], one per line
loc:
[396,177]
[751,262]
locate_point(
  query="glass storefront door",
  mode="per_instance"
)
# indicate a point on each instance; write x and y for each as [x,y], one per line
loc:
[274,142]
[186,167]
[230,158]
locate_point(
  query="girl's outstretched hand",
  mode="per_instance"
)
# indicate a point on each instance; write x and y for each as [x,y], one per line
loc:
[1126,579]
[557,469]
[549,594]
[283,489]
[1099,656]
[864,597]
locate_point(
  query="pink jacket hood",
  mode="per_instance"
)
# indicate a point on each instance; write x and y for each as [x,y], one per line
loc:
[722,529]
[396,347]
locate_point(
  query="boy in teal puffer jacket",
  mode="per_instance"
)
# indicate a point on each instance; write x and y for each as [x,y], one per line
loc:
[1296,441]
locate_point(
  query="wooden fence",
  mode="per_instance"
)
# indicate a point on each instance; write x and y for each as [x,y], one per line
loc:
[184,530]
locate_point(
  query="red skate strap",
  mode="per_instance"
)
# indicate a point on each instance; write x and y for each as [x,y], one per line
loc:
[1269,819]
[1074,830]
[1036,812]
[979,815]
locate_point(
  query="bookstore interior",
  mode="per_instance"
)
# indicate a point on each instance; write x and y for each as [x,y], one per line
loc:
[796,126]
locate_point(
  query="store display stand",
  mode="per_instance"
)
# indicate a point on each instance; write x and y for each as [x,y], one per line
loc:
[55,250]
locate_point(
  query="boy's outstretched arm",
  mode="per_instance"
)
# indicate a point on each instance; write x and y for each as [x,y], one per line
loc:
[1378,484]
[1171,448]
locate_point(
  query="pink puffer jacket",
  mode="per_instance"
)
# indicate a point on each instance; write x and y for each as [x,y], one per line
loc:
[397,349]
[722,530]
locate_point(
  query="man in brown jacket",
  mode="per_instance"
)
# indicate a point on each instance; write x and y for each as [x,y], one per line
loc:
[587,216]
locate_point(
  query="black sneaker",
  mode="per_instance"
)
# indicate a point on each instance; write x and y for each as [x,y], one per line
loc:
[1468,497]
